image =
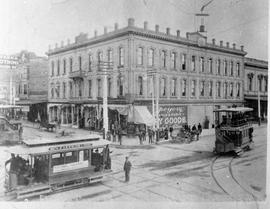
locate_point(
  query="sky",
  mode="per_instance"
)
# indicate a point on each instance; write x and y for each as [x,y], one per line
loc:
[33,25]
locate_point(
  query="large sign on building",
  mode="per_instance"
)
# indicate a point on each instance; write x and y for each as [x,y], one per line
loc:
[172,116]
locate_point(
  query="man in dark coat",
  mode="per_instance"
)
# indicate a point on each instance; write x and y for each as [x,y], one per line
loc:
[200,128]
[127,168]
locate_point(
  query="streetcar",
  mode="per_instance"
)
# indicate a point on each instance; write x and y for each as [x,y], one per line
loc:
[42,166]
[233,130]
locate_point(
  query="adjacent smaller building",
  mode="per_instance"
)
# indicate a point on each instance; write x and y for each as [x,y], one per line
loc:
[32,85]
[256,86]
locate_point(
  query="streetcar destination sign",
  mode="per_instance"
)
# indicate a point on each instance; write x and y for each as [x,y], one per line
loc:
[70,146]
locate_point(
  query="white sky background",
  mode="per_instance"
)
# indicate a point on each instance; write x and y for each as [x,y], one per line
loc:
[34,24]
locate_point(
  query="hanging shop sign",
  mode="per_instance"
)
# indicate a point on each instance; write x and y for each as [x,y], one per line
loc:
[173,116]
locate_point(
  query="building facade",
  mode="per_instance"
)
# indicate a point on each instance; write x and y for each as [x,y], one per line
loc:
[256,86]
[8,64]
[189,77]
[32,84]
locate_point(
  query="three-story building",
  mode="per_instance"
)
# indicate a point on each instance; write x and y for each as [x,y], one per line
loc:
[189,76]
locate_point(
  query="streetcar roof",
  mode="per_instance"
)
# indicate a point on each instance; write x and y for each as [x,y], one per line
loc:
[61,140]
[235,109]
[56,148]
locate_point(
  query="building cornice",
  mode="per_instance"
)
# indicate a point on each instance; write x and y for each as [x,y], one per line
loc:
[147,34]
[251,62]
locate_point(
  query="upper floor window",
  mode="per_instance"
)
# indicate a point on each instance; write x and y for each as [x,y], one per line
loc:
[260,84]
[121,56]
[193,88]
[211,88]
[163,58]
[238,90]
[173,87]
[57,90]
[80,62]
[193,63]
[250,79]
[210,65]
[89,88]
[64,66]
[80,86]
[183,61]
[99,87]
[202,88]
[120,89]
[151,57]
[64,90]
[90,60]
[70,64]
[52,66]
[99,57]
[225,67]
[184,87]
[225,90]
[218,66]
[266,85]
[238,69]
[109,55]
[231,89]
[173,60]
[58,67]
[25,89]
[140,85]
[218,89]
[52,92]
[109,86]
[231,68]
[163,87]
[202,64]
[140,56]
[70,89]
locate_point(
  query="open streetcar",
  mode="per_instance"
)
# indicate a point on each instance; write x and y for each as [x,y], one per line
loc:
[233,130]
[39,167]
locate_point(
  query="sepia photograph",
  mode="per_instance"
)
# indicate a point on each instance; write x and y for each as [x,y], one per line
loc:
[134,104]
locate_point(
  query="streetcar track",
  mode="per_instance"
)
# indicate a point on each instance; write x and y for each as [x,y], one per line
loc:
[229,166]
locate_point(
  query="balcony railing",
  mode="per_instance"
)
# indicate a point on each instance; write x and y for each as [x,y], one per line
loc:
[77,74]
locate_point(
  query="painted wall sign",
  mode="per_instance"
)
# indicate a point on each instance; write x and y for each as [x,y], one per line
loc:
[173,116]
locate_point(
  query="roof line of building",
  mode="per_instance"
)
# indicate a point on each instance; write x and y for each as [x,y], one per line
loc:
[82,40]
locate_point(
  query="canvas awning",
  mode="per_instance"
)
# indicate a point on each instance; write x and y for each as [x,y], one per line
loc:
[140,114]
[122,109]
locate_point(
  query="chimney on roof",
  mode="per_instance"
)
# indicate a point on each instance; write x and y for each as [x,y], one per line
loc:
[115,26]
[168,31]
[157,28]
[242,48]
[131,22]
[105,30]
[228,44]
[234,45]
[221,43]
[145,25]
[95,33]
[178,33]
[214,41]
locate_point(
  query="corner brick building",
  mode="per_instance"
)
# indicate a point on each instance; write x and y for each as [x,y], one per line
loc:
[191,75]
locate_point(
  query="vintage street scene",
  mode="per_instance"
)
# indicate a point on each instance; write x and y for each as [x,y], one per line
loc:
[134,101]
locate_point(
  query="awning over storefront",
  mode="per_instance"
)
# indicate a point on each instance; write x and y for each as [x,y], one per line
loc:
[140,114]
[262,98]
[122,109]
[54,105]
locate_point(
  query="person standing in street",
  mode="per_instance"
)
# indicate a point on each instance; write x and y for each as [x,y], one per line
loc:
[127,168]
[150,135]
[200,128]
[120,136]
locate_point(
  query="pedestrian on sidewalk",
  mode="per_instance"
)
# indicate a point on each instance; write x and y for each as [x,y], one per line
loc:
[120,136]
[140,137]
[150,135]
[127,168]
[200,128]
[171,130]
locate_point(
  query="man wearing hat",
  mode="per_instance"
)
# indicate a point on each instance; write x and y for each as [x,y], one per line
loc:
[127,167]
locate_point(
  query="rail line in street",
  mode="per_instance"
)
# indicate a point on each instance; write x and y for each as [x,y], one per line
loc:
[222,174]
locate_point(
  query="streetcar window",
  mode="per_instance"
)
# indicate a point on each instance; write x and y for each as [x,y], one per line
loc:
[71,157]
[57,159]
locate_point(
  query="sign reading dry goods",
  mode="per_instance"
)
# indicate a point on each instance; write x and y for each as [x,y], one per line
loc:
[173,116]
